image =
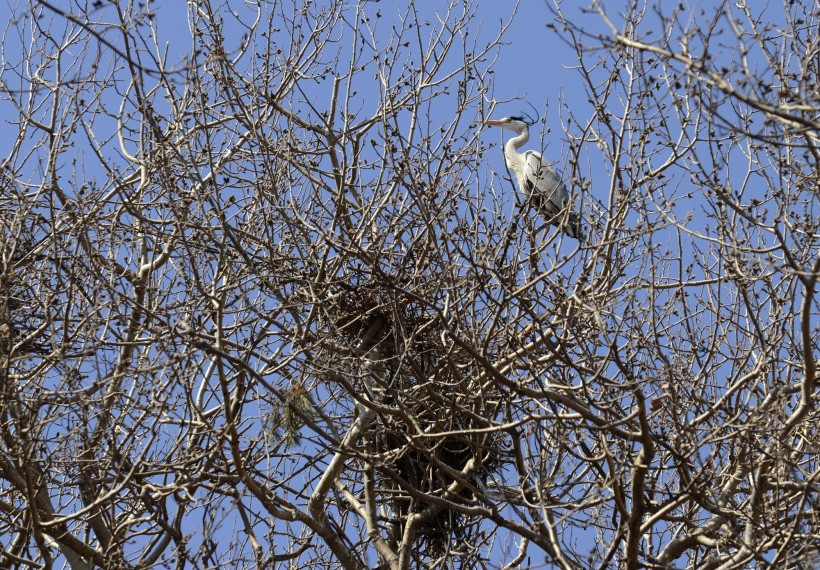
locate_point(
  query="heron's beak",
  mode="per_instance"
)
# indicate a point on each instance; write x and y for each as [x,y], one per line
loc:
[493,122]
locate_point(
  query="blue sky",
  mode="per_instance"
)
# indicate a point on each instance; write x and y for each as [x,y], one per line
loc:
[533,66]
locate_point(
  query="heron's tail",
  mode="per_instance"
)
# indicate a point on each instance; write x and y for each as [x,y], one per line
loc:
[572,226]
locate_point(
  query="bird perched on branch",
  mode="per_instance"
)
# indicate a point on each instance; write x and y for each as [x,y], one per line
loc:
[538,179]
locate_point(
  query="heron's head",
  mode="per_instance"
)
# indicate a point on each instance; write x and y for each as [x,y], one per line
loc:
[517,124]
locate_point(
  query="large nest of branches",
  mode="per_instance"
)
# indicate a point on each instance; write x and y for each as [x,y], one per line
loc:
[429,442]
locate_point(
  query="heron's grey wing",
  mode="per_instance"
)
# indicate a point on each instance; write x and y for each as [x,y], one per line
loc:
[544,184]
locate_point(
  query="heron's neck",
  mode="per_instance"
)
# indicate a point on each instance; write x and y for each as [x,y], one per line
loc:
[512,146]
[516,142]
